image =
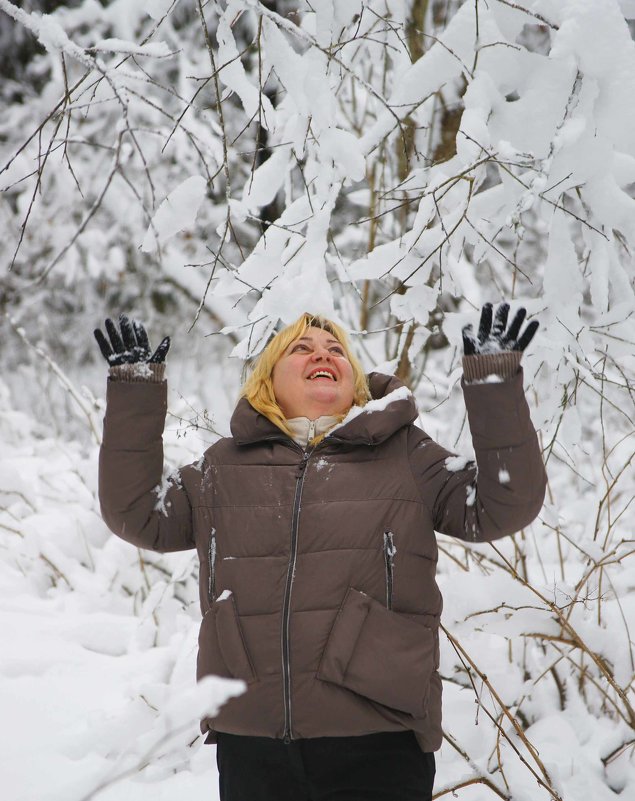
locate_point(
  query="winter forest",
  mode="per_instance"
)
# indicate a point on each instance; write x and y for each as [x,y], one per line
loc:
[217,168]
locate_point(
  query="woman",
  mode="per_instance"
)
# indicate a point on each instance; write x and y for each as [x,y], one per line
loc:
[314,524]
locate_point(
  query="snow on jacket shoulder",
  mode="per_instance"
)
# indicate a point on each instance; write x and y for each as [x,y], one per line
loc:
[317,573]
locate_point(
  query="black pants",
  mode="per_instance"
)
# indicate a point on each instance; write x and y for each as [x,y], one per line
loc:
[375,767]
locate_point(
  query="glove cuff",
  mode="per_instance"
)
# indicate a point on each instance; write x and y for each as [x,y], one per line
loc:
[480,366]
[151,372]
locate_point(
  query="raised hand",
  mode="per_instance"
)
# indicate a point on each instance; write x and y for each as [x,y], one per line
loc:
[130,345]
[492,337]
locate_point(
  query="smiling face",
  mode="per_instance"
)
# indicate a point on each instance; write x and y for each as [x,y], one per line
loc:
[313,377]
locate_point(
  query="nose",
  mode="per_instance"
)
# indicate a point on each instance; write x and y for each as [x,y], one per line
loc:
[321,353]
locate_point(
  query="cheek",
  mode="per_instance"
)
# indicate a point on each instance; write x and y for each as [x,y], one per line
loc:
[275,379]
[347,374]
[281,377]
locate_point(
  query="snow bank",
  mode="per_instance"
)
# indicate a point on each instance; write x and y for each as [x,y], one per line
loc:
[97,670]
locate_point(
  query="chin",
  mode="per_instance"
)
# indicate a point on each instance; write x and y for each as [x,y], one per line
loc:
[325,395]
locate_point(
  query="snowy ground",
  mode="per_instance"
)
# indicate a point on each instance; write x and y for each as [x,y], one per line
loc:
[77,716]
[99,649]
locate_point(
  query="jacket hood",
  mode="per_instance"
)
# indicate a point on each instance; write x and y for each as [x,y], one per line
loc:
[392,407]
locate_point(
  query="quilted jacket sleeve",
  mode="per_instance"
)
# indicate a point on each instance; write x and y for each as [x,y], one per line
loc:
[134,503]
[504,490]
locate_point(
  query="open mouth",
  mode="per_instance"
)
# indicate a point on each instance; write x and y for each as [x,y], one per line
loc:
[322,374]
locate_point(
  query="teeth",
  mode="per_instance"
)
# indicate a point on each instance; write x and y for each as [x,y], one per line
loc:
[322,373]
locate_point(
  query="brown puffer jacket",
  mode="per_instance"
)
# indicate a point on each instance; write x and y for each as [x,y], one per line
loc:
[317,567]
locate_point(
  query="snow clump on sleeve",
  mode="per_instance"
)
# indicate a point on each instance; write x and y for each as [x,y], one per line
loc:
[161,490]
[456,463]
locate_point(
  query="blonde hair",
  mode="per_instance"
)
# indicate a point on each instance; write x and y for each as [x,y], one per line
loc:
[258,388]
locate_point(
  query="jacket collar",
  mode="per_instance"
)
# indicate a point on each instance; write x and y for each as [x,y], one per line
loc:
[392,407]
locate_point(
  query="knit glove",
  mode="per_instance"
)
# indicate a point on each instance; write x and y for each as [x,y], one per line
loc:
[492,338]
[129,353]
[494,350]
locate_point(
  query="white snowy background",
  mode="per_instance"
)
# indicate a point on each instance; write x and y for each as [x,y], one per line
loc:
[218,168]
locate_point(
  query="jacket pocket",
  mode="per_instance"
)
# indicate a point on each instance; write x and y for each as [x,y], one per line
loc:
[379,654]
[222,649]
[389,562]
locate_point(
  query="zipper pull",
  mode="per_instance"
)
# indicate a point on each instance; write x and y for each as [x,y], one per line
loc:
[212,566]
[303,463]
[311,430]
[389,558]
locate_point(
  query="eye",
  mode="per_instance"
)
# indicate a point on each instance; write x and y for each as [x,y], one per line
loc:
[299,346]
[338,350]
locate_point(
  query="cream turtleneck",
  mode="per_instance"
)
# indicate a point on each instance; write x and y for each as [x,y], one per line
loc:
[304,430]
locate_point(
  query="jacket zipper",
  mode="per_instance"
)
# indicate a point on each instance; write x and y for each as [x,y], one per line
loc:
[211,556]
[389,560]
[286,606]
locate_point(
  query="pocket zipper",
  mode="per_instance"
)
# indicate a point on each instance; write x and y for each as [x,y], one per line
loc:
[389,560]
[212,565]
